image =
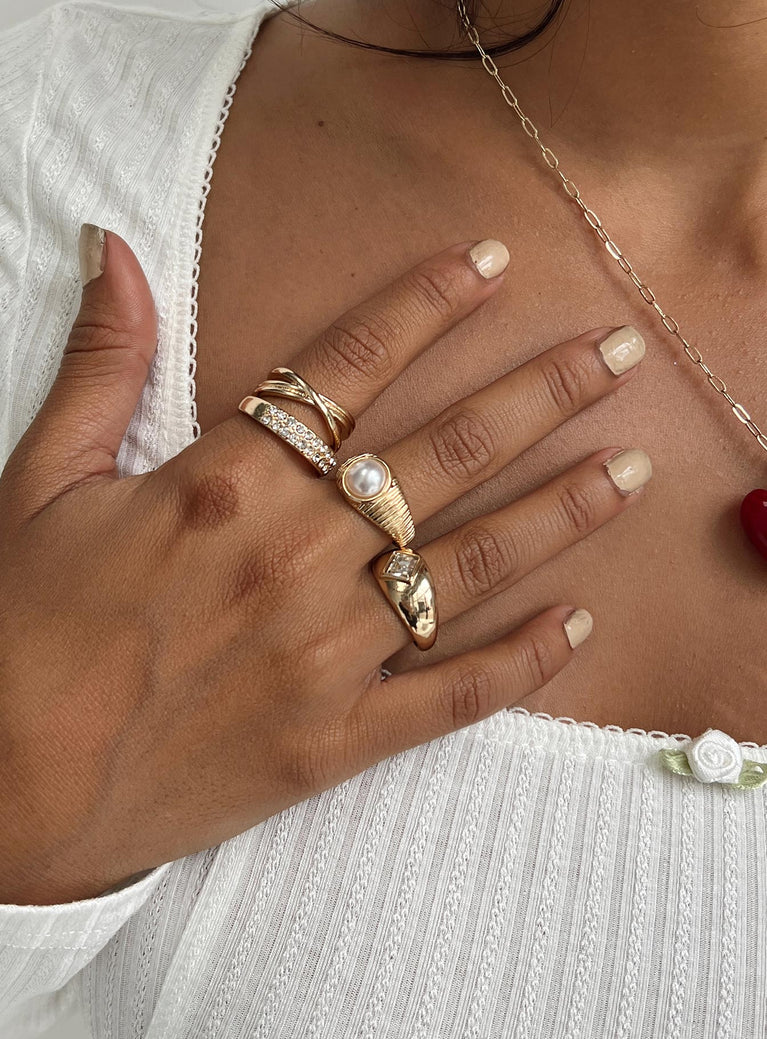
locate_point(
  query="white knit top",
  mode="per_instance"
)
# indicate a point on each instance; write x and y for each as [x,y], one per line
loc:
[525,876]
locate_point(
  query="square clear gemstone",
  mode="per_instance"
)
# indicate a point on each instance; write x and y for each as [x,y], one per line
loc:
[402,566]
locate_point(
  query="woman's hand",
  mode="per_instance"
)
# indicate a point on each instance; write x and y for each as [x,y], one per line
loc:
[189,651]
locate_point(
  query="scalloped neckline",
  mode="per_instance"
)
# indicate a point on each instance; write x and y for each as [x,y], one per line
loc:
[656,735]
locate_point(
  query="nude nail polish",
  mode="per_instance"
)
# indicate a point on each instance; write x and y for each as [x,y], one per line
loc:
[490,257]
[91,251]
[629,470]
[622,349]
[578,627]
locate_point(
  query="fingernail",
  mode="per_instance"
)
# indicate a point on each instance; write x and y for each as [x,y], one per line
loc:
[490,257]
[622,349]
[578,627]
[91,249]
[629,470]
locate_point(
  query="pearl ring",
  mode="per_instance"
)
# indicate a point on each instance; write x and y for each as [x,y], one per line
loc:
[367,483]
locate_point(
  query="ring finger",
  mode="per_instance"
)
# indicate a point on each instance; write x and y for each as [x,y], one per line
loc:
[486,555]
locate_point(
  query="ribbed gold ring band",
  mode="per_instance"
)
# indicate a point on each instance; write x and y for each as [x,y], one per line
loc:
[367,483]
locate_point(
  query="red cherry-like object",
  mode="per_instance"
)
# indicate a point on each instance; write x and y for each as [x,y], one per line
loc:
[753,516]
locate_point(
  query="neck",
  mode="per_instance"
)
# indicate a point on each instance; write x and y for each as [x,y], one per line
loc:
[628,80]
[664,98]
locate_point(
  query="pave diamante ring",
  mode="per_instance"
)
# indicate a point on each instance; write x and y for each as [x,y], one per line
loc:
[304,440]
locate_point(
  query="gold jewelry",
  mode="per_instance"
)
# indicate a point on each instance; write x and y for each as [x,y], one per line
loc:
[367,483]
[405,580]
[293,432]
[338,420]
[753,512]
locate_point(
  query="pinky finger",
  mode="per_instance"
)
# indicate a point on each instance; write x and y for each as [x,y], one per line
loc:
[414,707]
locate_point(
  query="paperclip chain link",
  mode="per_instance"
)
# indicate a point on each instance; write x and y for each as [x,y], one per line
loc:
[613,249]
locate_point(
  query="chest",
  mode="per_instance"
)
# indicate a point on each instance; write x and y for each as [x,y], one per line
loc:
[308,215]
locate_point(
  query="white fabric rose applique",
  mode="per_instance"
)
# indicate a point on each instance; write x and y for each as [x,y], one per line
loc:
[715,757]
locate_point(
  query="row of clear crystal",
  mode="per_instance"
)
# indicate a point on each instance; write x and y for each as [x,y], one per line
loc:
[305,440]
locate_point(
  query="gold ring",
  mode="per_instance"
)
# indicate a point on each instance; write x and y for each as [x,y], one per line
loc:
[293,432]
[338,420]
[405,580]
[368,484]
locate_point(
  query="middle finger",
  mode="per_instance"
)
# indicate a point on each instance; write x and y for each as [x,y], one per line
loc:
[474,438]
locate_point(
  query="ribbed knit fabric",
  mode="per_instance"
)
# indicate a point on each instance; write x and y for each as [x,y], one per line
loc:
[523,877]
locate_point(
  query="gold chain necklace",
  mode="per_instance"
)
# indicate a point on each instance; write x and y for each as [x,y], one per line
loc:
[753,510]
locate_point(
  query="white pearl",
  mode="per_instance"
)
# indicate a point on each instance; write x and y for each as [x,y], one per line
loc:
[366,477]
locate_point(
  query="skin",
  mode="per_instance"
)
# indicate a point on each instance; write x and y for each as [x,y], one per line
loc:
[339,167]
[176,703]
[141,723]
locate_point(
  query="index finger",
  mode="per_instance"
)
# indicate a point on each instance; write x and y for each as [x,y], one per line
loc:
[357,356]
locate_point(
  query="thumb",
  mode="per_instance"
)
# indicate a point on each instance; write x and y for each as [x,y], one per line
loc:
[78,431]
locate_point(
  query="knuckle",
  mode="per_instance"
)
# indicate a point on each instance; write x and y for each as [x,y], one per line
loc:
[484,559]
[359,348]
[276,566]
[302,765]
[470,695]
[106,349]
[98,324]
[320,653]
[463,444]
[437,289]
[211,499]
[579,507]
[566,381]
[536,659]
[249,580]
[313,757]
[360,735]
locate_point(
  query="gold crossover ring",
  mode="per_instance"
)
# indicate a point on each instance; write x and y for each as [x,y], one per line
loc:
[338,420]
[293,432]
